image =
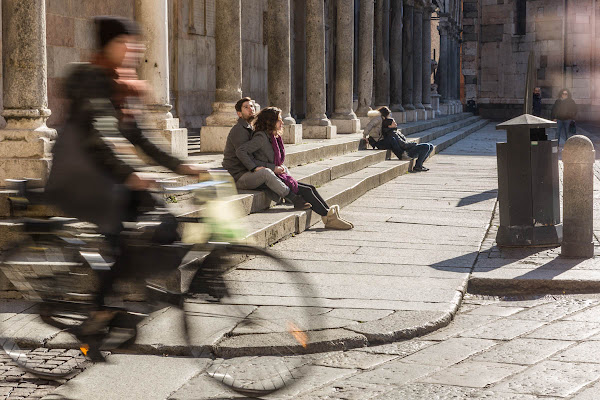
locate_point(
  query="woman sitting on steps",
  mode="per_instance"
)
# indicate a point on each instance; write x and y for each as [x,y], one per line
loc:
[266,145]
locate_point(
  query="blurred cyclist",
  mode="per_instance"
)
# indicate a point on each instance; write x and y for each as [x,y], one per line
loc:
[93,176]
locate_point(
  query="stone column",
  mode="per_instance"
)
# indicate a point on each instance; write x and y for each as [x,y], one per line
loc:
[418,60]
[316,124]
[365,60]
[444,65]
[153,19]
[458,70]
[344,118]
[396,58]
[26,142]
[228,43]
[382,47]
[280,67]
[408,62]
[427,61]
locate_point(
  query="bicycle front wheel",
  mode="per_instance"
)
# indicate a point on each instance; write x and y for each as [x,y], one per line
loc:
[256,316]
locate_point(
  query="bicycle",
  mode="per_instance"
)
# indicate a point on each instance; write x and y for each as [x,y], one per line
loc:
[59,265]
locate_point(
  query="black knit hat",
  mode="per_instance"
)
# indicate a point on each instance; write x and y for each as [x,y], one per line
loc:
[109,27]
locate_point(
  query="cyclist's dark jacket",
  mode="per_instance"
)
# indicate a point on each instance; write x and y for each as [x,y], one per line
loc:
[86,175]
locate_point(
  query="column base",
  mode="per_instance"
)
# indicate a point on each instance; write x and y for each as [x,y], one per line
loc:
[292,134]
[363,122]
[577,250]
[422,114]
[410,115]
[430,114]
[347,125]
[213,138]
[223,114]
[16,168]
[445,109]
[318,131]
[178,140]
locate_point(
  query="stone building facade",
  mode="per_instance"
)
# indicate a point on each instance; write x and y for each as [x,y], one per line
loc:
[498,36]
[331,62]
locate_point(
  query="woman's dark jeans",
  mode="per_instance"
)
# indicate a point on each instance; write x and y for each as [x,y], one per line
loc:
[391,142]
[309,193]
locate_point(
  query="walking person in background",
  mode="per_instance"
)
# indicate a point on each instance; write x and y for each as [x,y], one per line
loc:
[564,113]
[537,102]
[266,148]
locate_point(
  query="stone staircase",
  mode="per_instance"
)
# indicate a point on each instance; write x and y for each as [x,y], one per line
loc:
[335,166]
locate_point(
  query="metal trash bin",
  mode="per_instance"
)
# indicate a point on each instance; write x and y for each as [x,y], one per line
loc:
[528,185]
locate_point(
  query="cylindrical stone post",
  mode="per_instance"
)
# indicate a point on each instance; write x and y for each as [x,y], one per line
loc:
[382,47]
[365,58]
[152,17]
[228,43]
[26,142]
[427,58]
[444,63]
[396,55]
[343,116]
[316,124]
[418,58]
[578,198]
[452,66]
[407,56]
[279,58]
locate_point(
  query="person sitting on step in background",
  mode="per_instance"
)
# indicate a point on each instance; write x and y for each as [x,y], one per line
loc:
[266,147]
[392,139]
[261,175]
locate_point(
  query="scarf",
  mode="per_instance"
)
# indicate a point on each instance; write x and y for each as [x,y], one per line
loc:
[279,151]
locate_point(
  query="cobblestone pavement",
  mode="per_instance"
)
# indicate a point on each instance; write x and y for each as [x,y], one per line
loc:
[500,349]
[18,384]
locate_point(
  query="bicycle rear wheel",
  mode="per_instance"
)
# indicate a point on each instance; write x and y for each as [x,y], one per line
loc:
[255,316]
[54,279]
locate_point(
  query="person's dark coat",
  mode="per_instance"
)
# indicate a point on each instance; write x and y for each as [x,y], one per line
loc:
[87,174]
[537,105]
[386,130]
[564,109]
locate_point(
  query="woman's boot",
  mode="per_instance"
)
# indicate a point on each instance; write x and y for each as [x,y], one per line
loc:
[298,201]
[332,221]
[337,212]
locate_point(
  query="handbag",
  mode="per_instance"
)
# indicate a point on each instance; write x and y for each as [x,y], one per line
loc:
[572,127]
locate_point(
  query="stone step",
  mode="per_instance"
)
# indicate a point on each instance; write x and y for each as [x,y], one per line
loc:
[323,171]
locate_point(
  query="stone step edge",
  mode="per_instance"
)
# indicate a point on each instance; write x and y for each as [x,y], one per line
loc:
[512,287]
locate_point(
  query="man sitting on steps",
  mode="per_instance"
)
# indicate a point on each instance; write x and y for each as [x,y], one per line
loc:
[264,173]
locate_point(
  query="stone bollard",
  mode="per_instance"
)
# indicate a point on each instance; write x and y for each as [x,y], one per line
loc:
[578,197]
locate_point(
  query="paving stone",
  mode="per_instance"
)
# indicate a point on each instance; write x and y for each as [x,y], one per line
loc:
[554,310]
[590,315]
[495,309]
[590,393]
[504,329]
[473,374]
[319,376]
[566,330]
[588,351]
[522,351]
[394,372]
[354,360]
[461,323]
[551,378]
[360,315]
[449,352]
[427,391]
[344,390]
[402,349]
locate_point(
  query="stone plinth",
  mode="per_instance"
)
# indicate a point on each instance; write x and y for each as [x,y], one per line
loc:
[346,125]
[435,104]
[410,115]
[213,138]
[318,132]
[421,114]
[292,134]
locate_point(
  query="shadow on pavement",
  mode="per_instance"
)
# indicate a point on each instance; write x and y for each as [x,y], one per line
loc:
[477,198]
